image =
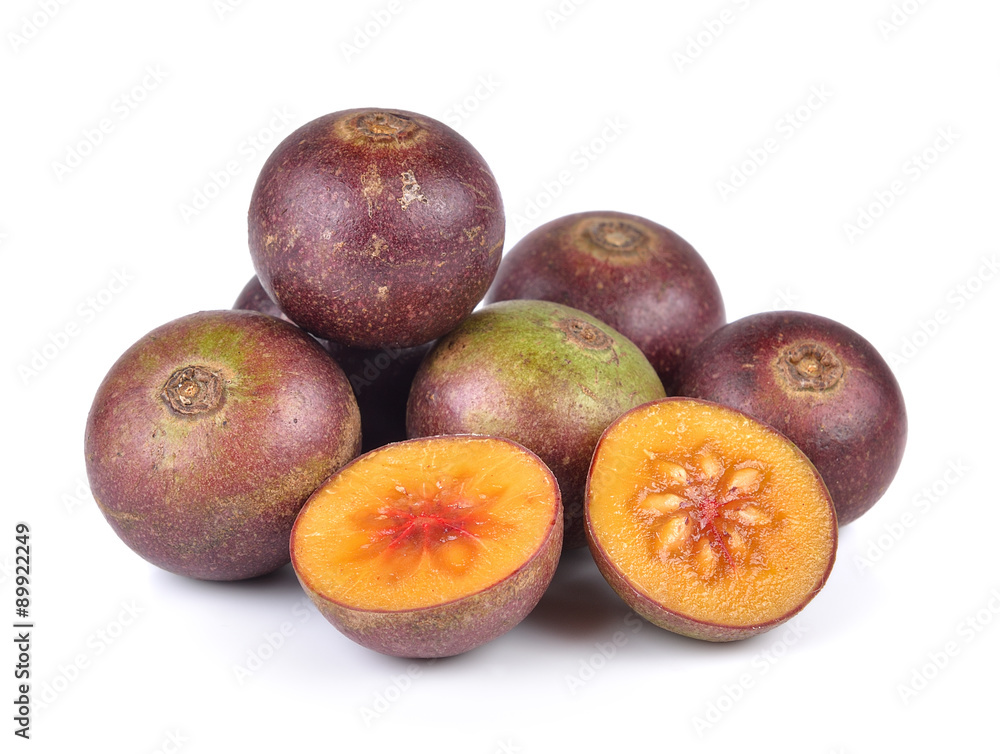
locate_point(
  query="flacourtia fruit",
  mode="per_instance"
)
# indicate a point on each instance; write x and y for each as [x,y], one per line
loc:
[707,522]
[430,547]
[207,435]
[641,278]
[819,383]
[376,228]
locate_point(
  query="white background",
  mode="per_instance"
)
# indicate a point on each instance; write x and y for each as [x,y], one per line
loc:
[588,107]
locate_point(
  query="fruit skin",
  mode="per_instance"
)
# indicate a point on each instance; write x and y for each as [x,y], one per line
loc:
[254,298]
[655,613]
[213,494]
[381,378]
[454,627]
[638,276]
[375,228]
[853,430]
[509,370]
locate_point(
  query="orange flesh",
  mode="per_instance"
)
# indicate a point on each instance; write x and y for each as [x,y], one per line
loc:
[710,514]
[424,522]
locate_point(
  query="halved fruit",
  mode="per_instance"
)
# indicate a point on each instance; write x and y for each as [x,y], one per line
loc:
[431,547]
[707,522]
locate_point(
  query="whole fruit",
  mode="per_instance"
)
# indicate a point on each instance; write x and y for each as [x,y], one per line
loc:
[547,376]
[819,383]
[375,228]
[638,276]
[430,547]
[707,522]
[207,436]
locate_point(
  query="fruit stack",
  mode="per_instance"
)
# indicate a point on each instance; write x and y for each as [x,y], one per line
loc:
[423,463]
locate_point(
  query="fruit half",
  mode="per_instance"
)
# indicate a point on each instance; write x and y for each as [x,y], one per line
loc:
[430,547]
[707,522]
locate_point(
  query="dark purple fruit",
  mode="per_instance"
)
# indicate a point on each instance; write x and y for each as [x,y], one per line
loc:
[820,384]
[376,228]
[641,278]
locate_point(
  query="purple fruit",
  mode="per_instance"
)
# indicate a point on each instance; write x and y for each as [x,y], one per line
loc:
[376,228]
[208,435]
[820,384]
[644,280]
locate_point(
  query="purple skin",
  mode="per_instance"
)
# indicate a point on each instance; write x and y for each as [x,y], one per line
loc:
[656,614]
[207,436]
[820,384]
[376,228]
[641,278]
[254,298]
[381,378]
[455,627]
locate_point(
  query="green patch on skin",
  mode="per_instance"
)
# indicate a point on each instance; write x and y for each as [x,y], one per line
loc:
[533,346]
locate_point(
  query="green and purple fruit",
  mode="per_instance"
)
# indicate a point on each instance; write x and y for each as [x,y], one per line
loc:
[547,376]
[207,436]
[376,228]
